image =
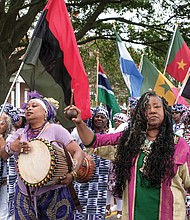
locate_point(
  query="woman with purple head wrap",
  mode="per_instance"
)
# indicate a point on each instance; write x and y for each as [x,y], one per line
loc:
[51,201]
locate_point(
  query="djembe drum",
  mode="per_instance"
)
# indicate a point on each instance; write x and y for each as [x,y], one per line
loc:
[87,169]
[44,165]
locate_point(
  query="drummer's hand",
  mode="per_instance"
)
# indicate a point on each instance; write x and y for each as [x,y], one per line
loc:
[20,147]
[24,147]
[66,179]
[78,119]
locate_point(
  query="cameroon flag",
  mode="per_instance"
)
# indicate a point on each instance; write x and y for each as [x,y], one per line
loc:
[155,80]
[179,57]
[52,63]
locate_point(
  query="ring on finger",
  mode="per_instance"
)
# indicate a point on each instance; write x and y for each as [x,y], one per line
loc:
[21,150]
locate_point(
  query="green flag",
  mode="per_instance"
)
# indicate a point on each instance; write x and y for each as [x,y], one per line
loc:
[105,92]
[155,80]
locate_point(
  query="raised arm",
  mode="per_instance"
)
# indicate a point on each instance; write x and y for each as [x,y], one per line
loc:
[84,132]
[90,139]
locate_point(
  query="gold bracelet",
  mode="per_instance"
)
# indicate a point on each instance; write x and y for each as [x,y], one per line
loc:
[74,175]
[75,162]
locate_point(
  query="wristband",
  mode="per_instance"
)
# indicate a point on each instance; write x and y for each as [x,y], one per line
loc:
[7,148]
[92,142]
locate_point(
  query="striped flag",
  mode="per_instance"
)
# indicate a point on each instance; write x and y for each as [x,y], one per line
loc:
[105,92]
[131,75]
[52,63]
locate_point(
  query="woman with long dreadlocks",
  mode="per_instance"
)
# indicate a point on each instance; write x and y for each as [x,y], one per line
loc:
[151,165]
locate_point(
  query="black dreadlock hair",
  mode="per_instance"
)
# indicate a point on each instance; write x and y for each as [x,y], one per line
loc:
[160,164]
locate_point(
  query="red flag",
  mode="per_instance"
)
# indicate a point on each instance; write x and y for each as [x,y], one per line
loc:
[61,27]
[179,57]
[53,65]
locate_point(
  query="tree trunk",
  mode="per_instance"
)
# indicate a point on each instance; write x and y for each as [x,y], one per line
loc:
[4,78]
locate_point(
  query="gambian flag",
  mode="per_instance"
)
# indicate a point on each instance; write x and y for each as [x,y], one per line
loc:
[155,80]
[105,92]
[52,63]
[131,75]
[179,57]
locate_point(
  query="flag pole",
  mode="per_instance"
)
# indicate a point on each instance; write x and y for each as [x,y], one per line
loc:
[170,48]
[97,70]
[9,92]
[183,86]
[141,63]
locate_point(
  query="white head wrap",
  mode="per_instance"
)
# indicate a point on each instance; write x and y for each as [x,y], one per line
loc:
[41,103]
[121,117]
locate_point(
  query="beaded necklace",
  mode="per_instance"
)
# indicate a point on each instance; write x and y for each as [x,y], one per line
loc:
[35,133]
[146,149]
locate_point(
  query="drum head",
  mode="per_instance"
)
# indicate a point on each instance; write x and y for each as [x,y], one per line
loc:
[34,166]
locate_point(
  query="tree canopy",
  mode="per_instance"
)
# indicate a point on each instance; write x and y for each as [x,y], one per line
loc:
[144,25]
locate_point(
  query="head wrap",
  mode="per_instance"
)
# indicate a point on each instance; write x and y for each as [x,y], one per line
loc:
[100,110]
[121,117]
[41,103]
[185,118]
[178,108]
[12,111]
[133,102]
[21,112]
[50,105]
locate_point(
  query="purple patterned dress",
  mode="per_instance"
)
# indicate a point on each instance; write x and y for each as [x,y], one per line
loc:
[46,202]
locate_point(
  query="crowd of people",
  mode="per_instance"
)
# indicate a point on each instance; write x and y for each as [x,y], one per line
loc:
[141,171]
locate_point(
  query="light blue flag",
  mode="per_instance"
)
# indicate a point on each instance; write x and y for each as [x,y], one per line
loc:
[132,77]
